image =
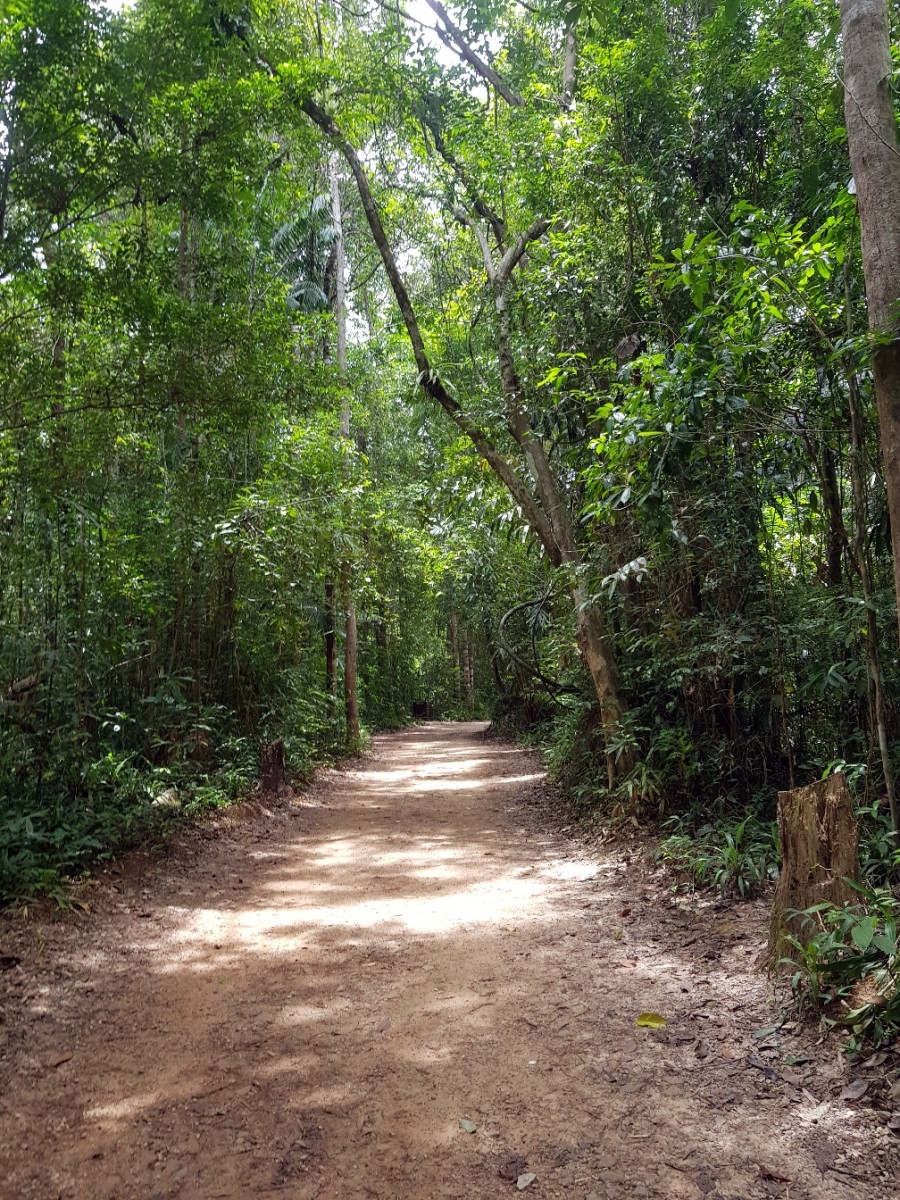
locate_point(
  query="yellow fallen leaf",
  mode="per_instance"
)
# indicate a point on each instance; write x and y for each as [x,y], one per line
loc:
[651,1021]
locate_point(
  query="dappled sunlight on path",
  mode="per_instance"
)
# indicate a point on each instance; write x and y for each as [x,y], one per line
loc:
[311,1006]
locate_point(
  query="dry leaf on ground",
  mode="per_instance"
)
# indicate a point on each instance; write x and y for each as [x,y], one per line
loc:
[651,1020]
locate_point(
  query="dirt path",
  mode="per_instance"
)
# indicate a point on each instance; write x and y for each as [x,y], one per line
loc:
[307,1002]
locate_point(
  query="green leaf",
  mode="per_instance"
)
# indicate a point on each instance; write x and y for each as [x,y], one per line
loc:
[651,1020]
[552,375]
[863,933]
[767,1030]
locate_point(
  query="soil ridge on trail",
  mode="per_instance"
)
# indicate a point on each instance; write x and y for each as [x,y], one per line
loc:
[308,999]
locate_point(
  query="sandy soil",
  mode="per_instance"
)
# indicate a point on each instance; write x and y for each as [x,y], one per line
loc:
[305,999]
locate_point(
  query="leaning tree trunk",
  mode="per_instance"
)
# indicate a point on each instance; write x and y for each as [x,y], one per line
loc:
[539,515]
[591,633]
[819,845]
[875,159]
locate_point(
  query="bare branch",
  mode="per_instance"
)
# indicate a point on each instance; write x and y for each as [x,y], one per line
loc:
[491,270]
[510,259]
[453,37]
[496,222]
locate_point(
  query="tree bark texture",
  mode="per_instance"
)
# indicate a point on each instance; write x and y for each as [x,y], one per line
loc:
[271,767]
[570,62]
[819,843]
[875,159]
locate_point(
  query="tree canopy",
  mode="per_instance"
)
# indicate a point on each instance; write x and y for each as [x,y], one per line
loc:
[603,456]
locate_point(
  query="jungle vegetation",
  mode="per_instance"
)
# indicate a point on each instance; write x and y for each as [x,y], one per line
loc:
[370,359]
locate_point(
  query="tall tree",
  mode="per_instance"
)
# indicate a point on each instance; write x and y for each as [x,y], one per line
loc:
[543,508]
[351,695]
[875,159]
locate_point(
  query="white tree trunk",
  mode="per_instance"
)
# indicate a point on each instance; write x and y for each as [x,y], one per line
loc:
[351,697]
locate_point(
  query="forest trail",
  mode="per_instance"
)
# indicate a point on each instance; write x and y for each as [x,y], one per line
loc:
[305,1002]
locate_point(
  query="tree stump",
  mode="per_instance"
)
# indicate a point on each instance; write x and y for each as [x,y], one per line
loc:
[271,770]
[820,852]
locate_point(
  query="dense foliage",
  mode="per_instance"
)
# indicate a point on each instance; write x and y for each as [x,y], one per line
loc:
[607,404]
[175,491]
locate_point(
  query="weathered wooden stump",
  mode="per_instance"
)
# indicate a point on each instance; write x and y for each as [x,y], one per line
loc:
[820,852]
[271,769]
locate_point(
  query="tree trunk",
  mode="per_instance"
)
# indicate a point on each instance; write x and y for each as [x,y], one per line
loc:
[593,639]
[597,652]
[494,655]
[453,653]
[386,678]
[819,844]
[861,552]
[429,379]
[271,768]
[331,669]
[875,159]
[469,654]
[452,36]
[570,61]
[836,535]
[351,698]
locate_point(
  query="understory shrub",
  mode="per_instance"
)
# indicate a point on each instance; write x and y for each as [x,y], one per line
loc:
[848,964]
[737,858]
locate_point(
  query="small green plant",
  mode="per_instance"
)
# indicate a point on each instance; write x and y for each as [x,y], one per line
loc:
[879,856]
[849,965]
[735,858]
[745,859]
[681,852]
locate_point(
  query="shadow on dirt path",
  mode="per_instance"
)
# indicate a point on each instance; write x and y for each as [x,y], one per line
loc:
[308,1004]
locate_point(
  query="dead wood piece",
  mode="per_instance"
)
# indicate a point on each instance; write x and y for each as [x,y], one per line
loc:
[820,850]
[271,771]
[22,686]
